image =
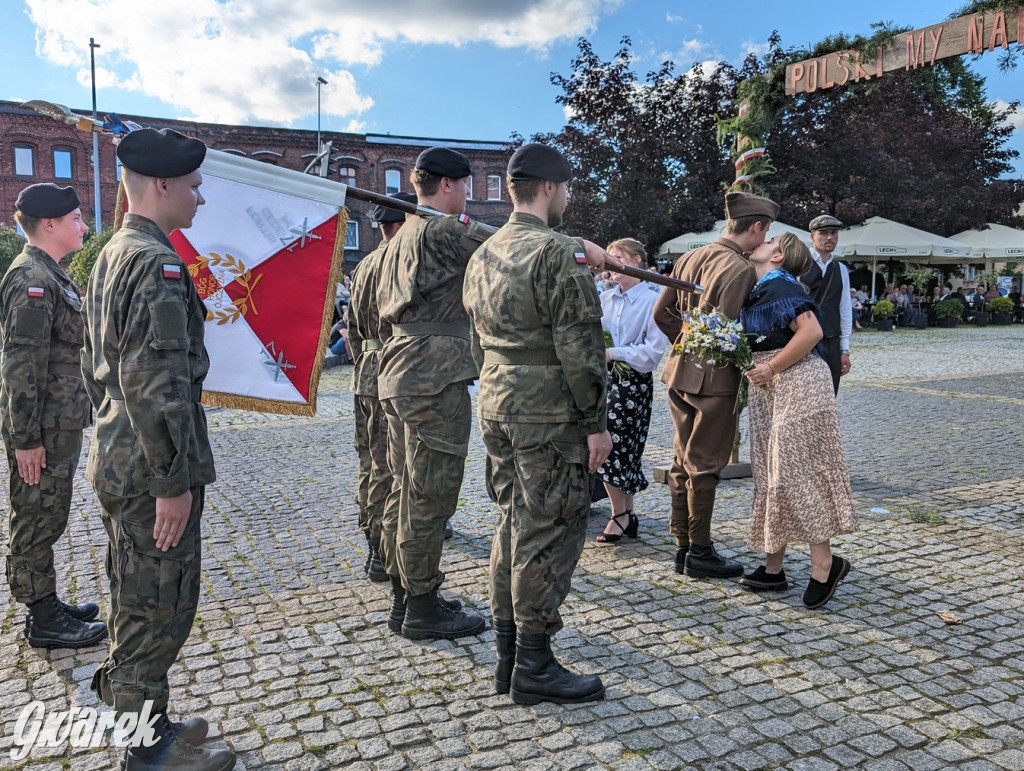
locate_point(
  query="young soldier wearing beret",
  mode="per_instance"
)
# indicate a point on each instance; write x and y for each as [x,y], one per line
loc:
[538,341]
[701,398]
[425,371]
[144,363]
[44,408]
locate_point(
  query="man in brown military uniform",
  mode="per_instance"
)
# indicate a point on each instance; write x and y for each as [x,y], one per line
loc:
[44,408]
[701,398]
[144,363]
[425,370]
[371,424]
[537,338]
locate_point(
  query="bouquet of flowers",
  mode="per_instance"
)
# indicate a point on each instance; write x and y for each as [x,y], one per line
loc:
[715,339]
[620,367]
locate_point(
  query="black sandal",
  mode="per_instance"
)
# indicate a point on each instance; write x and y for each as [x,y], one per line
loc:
[630,530]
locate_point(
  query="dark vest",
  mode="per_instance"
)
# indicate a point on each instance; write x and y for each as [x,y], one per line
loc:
[826,290]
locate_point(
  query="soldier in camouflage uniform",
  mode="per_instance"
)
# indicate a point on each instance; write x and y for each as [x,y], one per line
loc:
[537,338]
[371,424]
[44,408]
[144,363]
[425,370]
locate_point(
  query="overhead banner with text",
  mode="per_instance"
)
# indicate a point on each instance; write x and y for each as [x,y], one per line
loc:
[265,253]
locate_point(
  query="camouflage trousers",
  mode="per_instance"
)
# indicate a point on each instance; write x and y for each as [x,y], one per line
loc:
[39,515]
[371,440]
[153,600]
[537,474]
[428,440]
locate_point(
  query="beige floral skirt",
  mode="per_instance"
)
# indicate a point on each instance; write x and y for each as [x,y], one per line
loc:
[801,486]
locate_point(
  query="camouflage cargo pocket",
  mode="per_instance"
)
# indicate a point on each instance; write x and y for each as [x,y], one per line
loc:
[157,583]
[438,462]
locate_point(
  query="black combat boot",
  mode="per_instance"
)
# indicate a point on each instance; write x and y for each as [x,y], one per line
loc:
[194,730]
[375,565]
[681,552]
[48,625]
[397,617]
[538,676]
[87,611]
[705,562]
[428,617]
[173,752]
[505,640]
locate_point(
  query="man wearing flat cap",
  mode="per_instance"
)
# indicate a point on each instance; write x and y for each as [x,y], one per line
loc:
[43,407]
[144,363]
[425,372]
[701,397]
[537,339]
[828,282]
[371,425]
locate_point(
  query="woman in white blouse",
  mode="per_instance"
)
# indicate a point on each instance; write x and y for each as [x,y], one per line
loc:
[634,352]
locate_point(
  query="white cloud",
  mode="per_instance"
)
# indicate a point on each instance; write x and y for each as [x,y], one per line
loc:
[240,61]
[757,49]
[1017,119]
[671,18]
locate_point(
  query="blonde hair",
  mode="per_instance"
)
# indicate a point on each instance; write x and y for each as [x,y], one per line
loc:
[796,257]
[631,247]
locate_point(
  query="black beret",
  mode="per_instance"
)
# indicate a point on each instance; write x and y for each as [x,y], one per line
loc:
[47,200]
[749,205]
[825,222]
[444,162]
[164,154]
[379,214]
[536,161]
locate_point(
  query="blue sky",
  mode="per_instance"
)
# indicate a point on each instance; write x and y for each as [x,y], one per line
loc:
[463,69]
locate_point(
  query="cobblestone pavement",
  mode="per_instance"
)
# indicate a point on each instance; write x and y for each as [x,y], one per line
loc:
[291,660]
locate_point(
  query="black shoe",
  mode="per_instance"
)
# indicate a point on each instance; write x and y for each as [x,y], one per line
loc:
[537,675]
[505,641]
[48,625]
[449,531]
[397,616]
[819,593]
[87,611]
[681,552]
[705,562]
[375,566]
[629,529]
[762,580]
[192,731]
[427,617]
[175,754]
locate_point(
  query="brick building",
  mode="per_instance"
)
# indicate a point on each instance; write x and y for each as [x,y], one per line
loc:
[35,148]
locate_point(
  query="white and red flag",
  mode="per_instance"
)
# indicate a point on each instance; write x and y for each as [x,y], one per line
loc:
[265,253]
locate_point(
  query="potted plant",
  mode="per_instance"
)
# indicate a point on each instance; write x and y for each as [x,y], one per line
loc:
[1001,309]
[883,315]
[949,312]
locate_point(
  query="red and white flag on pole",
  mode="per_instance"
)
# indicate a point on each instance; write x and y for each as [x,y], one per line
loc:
[265,252]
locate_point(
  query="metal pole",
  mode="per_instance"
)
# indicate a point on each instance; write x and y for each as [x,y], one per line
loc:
[319,82]
[93,45]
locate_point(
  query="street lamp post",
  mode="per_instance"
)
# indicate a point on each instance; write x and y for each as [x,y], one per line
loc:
[319,82]
[93,45]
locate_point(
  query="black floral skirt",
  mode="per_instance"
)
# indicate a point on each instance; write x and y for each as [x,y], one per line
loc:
[629,416]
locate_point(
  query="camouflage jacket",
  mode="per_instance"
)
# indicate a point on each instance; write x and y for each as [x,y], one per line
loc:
[144,363]
[41,324]
[363,321]
[536,328]
[419,288]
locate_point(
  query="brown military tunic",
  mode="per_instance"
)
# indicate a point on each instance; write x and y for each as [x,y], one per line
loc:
[144,364]
[537,337]
[43,403]
[701,399]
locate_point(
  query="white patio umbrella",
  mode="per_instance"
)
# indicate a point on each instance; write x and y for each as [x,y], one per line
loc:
[996,242]
[689,241]
[881,237]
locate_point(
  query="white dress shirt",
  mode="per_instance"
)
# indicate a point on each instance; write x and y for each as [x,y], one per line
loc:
[845,305]
[628,316]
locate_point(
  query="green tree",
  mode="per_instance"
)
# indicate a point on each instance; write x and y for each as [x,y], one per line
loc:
[10,246]
[83,260]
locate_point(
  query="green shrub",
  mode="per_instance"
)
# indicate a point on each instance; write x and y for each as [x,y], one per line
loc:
[11,244]
[884,309]
[1000,305]
[83,260]
[949,307]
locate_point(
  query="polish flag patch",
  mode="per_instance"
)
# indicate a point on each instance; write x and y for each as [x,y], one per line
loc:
[464,219]
[581,258]
[36,291]
[172,271]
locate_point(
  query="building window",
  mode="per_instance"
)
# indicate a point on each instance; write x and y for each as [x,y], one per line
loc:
[469,188]
[352,235]
[24,161]
[392,181]
[62,164]
[493,187]
[347,175]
